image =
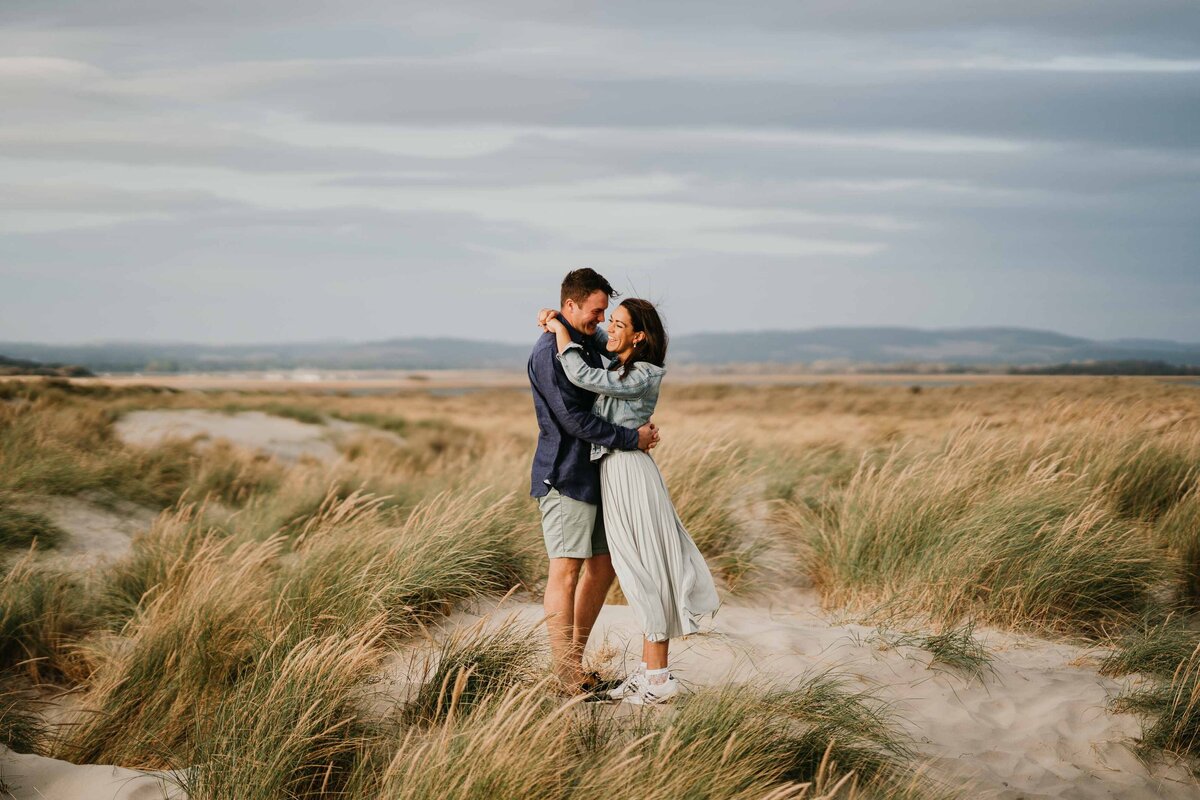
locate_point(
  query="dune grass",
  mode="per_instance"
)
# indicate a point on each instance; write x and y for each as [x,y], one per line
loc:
[241,636]
[1167,697]
[234,475]
[1170,708]
[295,411]
[353,563]
[384,422]
[981,529]
[293,725]
[1178,529]
[21,727]
[471,665]
[1156,649]
[711,484]
[1145,479]
[815,739]
[204,608]
[21,528]
[166,548]
[53,444]
[955,648]
[959,650]
[208,623]
[42,611]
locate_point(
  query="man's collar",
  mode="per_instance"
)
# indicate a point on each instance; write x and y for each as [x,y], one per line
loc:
[576,336]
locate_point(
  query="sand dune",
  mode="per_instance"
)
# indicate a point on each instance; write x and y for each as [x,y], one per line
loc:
[30,777]
[1038,727]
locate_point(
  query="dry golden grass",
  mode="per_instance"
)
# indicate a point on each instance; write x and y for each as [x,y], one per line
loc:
[239,634]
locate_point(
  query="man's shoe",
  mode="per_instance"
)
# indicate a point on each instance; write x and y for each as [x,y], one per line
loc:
[629,687]
[653,694]
[594,683]
[596,697]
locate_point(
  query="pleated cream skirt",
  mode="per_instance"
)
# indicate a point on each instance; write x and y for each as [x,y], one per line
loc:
[662,573]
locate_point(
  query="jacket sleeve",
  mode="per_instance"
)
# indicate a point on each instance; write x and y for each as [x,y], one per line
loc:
[577,422]
[601,381]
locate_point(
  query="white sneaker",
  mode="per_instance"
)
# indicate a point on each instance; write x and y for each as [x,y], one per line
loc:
[652,694]
[631,686]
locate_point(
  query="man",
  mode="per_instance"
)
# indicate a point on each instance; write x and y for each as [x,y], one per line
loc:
[567,484]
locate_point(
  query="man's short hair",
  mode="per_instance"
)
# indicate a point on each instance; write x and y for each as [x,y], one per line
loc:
[581,283]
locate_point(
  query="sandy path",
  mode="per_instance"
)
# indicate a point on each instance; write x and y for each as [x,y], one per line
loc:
[287,439]
[1038,728]
[36,778]
[95,532]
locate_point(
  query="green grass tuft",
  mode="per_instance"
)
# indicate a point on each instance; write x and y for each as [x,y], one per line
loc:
[472,665]
[1171,711]
[20,528]
[1145,479]
[1179,530]
[955,648]
[21,727]
[42,613]
[1152,649]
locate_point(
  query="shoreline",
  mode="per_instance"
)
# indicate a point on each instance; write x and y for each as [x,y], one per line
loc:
[436,381]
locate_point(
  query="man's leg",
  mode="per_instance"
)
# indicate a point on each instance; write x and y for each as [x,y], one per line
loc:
[593,587]
[561,590]
[573,535]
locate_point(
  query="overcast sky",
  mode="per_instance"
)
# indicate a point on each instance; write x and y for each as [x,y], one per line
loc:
[268,170]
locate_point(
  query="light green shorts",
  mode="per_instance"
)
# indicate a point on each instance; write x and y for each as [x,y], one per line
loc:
[571,528]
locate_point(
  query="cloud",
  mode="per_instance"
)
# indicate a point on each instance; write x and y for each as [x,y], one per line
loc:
[81,197]
[307,168]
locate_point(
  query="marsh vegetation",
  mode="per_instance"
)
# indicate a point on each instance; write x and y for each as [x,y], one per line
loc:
[242,634]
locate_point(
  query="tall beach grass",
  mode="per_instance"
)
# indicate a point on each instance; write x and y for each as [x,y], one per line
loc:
[986,529]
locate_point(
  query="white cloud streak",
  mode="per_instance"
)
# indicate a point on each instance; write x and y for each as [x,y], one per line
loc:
[883,169]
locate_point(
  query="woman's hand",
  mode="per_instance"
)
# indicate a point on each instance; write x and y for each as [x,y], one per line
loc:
[545,314]
[555,326]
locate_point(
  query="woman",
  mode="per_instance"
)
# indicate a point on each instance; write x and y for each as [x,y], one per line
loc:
[662,573]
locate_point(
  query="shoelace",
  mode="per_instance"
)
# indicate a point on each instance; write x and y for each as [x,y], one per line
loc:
[649,695]
[631,682]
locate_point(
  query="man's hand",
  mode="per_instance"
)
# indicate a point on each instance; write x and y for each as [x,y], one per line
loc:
[647,436]
[544,316]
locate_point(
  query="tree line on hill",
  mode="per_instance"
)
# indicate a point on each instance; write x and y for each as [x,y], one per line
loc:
[19,366]
[813,350]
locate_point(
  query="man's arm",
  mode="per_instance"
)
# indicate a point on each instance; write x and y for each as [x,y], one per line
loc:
[581,424]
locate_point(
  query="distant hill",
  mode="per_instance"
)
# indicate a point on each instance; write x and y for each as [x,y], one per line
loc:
[832,347]
[817,348]
[185,357]
[1108,368]
[20,366]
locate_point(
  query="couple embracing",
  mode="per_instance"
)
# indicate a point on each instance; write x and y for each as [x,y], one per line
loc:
[605,508]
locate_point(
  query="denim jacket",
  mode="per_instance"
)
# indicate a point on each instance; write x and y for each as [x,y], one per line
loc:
[627,402]
[566,425]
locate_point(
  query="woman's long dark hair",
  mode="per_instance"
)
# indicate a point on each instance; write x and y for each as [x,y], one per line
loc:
[645,320]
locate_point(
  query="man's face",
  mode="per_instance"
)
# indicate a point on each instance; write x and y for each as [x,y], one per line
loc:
[585,316]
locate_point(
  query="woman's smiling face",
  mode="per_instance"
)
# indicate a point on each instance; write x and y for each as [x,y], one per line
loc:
[620,331]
